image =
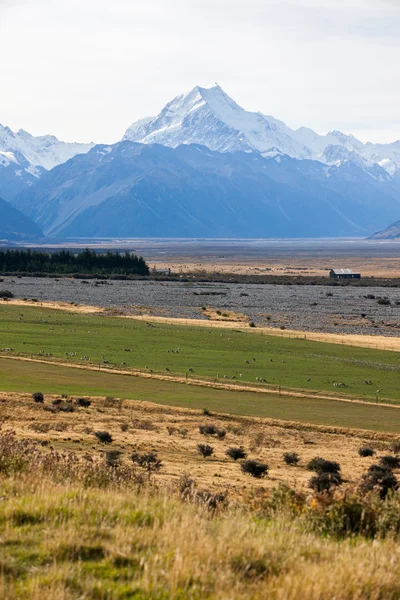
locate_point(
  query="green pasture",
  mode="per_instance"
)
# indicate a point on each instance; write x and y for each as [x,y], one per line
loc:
[20,376]
[211,353]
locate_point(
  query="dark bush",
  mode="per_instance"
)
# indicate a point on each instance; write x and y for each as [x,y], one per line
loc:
[384,302]
[148,461]
[320,465]
[390,462]
[379,479]
[67,408]
[252,324]
[291,458]
[83,402]
[325,481]
[206,412]
[236,453]
[57,401]
[38,397]
[5,294]
[205,450]
[208,429]
[212,430]
[254,468]
[113,458]
[366,451]
[104,437]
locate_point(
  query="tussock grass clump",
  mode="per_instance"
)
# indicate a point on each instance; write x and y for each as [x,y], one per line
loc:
[365,451]
[254,468]
[104,437]
[205,450]
[38,397]
[291,458]
[113,457]
[236,453]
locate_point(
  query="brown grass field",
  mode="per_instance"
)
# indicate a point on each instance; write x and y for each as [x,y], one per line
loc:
[174,434]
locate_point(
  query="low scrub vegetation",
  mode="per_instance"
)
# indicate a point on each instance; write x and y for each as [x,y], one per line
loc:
[254,468]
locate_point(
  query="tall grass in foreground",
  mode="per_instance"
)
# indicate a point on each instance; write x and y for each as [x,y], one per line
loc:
[72,528]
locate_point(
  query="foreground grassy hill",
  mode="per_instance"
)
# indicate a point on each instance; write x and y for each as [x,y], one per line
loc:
[80,519]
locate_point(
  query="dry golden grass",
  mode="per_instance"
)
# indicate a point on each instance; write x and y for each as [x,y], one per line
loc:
[174,434]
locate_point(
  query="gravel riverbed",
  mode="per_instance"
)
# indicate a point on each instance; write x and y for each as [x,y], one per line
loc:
[306,307]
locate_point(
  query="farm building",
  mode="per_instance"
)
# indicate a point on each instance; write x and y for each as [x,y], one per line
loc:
[344,274]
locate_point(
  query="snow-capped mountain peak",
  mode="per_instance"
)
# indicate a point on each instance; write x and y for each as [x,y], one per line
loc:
[208,116]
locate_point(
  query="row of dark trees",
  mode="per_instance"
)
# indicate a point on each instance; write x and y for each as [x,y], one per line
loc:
[65,261]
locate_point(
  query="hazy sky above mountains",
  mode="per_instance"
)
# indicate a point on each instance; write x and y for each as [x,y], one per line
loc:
[86,69]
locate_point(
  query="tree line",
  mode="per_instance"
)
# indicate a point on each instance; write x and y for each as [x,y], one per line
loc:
[65,262]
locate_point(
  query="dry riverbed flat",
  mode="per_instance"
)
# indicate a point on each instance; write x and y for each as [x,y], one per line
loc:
[349,310]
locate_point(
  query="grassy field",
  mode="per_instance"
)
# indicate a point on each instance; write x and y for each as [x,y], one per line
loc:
[21,376]
[210,353]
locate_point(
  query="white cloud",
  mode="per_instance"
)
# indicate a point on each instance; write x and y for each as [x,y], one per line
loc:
[85,69]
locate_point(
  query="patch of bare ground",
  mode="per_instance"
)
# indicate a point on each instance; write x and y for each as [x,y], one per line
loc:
[174,434]
[215,315]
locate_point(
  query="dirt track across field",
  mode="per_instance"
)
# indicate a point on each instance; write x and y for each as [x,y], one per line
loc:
[203,383]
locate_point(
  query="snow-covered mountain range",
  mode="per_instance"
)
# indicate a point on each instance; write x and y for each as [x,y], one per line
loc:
[208,116]
[24,158]
[203,167]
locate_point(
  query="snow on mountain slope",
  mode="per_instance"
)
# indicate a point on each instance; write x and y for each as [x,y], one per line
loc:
[208,116]
[43,151]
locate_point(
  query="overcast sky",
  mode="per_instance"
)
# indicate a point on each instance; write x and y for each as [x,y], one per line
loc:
[86,69]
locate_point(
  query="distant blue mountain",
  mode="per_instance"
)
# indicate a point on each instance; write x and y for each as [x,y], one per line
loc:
[148,190]
[14,226]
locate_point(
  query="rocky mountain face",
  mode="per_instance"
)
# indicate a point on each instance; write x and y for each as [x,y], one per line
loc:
[14,226]
[140,190]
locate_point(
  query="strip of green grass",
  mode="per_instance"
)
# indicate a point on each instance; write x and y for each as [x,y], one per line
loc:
[20,376]
[210,352]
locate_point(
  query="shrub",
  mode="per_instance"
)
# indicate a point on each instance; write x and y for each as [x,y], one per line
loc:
[206,412]
[38,397]
[236,453]
[291,458]
[113,457]
[366,451]
[208,429]
[320,465]
[124,427]
[83,402]
[325,481]
[5,294]
[205,450]
[395,447]
[67,408]
[221,433]
[254,468]
[148,461]
[252,324]
[384,301]
[379,479]
[390,462]
[104,437]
